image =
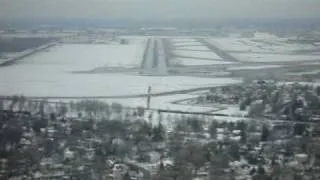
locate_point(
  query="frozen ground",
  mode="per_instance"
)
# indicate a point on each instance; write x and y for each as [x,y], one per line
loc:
[197,54]
[46,80]
[252,67]
[182,40]
[73,57]
[48,73]
[312,63]
[233,111]
[195,61]
[194,48]
[230,44]
[251,57]
[305,73]
[164,102]
[259,45]
[187,43]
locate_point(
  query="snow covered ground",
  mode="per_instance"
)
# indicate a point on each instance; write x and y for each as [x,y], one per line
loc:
[251,57]
[197,54]
[194,48]
[50,79]
[304,73]
[181,40]
[187,43]
[164,102]
[86,56]
[252,67]
[195,61]
[48,73]
[233,111]
[259,45]
[312,63]
[230,44]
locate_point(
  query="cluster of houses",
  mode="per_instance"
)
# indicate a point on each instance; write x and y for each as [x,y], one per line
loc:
[55,146]
[270,99]
[80,142]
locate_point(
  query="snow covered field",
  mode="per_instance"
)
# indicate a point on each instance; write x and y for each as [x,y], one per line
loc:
[86,56]
[197,54]
[53,79]
[186,43]
[194,48]
[164,102]
[182,40]
[230,44]
[195,62]
[49,73]
[259,45]
[304,73]
[74,57]
[251,57]
[252,67]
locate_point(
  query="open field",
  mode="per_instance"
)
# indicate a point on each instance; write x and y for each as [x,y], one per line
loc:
[193,48]
[123,72]
[260,45]
[50,73]
[195,61]
[251,57]
[197,54]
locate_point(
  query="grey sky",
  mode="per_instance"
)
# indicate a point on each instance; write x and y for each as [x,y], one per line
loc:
[161,9]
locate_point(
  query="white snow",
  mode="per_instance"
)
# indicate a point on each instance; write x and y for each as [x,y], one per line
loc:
[312,63]
[253,67]
[251,57]
[178,40]
[47,80]
[232,111]
[304,73]
[48,73]
[197,54]
[231,44]
[187,43]
[201,48]
[87,56]
[259,45]
[164,102]
[195,61]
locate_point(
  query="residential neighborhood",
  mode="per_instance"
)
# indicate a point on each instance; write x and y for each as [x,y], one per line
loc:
[94,140]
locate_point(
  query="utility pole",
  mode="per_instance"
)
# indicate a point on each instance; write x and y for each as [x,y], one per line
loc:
[149,97]
[149,113]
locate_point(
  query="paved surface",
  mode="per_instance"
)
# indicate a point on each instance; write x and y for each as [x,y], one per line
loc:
[154,60]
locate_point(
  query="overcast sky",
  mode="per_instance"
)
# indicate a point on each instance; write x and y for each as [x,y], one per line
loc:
[160,9]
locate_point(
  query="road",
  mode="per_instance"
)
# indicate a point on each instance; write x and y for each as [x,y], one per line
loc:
[154,61]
